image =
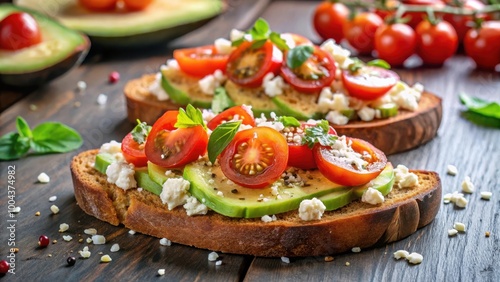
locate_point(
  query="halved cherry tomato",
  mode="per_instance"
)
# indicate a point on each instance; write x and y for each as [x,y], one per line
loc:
[341,170]
[255,158]
[360,31]
[200,61]
[247,66]
[19,30]
[169,147]
[315,73]
[234,113]
[133,152]
[99,5]
[329,19]
[369,82]
[136,5]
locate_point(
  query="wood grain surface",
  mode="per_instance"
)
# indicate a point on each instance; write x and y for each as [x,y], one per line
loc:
[475,150]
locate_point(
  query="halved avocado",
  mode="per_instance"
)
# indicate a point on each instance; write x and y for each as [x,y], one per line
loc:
[60,50]
[161,21]
[299,105]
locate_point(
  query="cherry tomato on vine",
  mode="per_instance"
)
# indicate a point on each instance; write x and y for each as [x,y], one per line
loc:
[436,42]
[136,5]
[395,43]
[360,31]
[255,158]
[369,82]
[19,30]
[342,171]
[200,61]
[417,17]
[329,19]
[483,45]
[230,114]
[387,10]
[98,5]
[133,152]
[462,23]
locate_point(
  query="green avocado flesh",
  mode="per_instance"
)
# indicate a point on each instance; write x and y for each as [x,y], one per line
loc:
[177,91]
[58,43]
[260,102]
[299,105]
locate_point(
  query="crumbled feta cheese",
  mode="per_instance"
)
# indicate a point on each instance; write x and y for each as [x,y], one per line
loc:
[329,101]
[157,90]
[372,196]
[236,34]
[122,175]
[89,240]
[452,170]
[174,192]
[404,96]
[112,148]
[356,250]
[404,178]
[461,202]
[337,118]
[102,99]
[161,271]
[459,226]
[106,258]
[219,262]
[85,253]
[267,218]
[67,238]
[340,54]
[131,232]
[366,114]
[15,210]
[485,195]
[63,227]
[194,207]
[311,209]
[285,259]
[54,209]
[165,242]
[343,152]
[415,258]
[401,254]
[53,199]
[81,85]
[115,248]
[213,256]
[276,125]
[210,82]
[90,231]
[43,178]
[98,239]
[273,85]
[223,46]
[220,194]
[467,185]
[452,232]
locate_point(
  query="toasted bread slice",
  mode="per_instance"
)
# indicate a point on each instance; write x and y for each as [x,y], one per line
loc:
[356,225]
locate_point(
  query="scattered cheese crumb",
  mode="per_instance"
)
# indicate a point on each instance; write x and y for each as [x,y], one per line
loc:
[415,258]
[131,232]
[161,271]
[467,185]
[372,196]
[401,254]
[63,227]
[67,238]
[220,194]
[54,241]
[102,99]
[33,107]
[89,240]
[90,231]
[219,262]
[43,178]
[54,209]
[485,195]
[106,258]
[356,249]
[53,199]
[347,263]
[452,232]
[213,256]
[16,210]
[461,202]
[267,218]
[115,248]
[311,209]
[459,226]
[452,170]
[165,242]
[285,259]
[98,239]
[85,252]
[81,85]
[174,192]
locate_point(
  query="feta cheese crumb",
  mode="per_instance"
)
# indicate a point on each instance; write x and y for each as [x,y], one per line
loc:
[356,249]
[43,178]
[90,231]
[236,34]
[285,259]
[467,185]
[54,209]
[452,232]
[219,262]
[459,226]
[16,210]
[98,239]
[53,199]
[404,178]
[115,248]
[122,175]
[311,209]
[63,227]
[85,253]
[81,85]
[89,240]
[329,101]
[223,46]
[102,99]
[161,271]
[273,85]
[366,114]
[415,258]
[112,148]
[220,194]
[174,192]
[208,83]
[213,256]
[267,218]
[165,242]
[486,195]
[461,202]
[194,207]
[372,196]
[67,238]
[337,118]
[452,170]
[401,254]
[131,232]
[106,258]
[157,90]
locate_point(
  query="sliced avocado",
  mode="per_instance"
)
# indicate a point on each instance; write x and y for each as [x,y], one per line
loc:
[102,161]
[299,105]
[60,50]
[388,110]
[260,102]
[382,183]
[161,21]
[184,89]
[158,173]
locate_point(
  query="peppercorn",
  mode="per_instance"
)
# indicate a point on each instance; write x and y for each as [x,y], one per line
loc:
[71,261]
[43,241]
[114,77]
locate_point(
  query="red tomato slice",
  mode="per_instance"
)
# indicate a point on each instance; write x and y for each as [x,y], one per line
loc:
[342,171]
[369,83]
[234,113]
[200,61]
[169,147]
[19,30]
[255,158]
[133,152]
[247,66]
[316,72]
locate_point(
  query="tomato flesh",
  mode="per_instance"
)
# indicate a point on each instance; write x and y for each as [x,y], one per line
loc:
[247,66]
[369,83]
[255,158]
[200,61]
[19,30]
[234,113]
[133,152]
[340,169]
[98,5]
[316,72]
[136,5]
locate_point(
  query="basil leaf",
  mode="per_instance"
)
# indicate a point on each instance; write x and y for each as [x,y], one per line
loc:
[221,137]
[23,128]
[481,111]
[260,29]
[319,134]
[278,41]
[379,63]
[221,100]
[289,121]
[298,55]
[13,146]
[258,44]
[356,65]
[140,132]
[481,119]
[238,42]
[189,118]
[54,137]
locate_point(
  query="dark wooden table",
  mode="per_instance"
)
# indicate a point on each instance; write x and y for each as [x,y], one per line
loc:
[469,256]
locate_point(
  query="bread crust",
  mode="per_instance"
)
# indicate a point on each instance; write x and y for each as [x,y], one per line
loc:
[355,225]
[403,132]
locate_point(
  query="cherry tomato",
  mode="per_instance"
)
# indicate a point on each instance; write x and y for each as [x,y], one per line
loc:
[395,43]
[169,147]
[388,11]
[99,5]
[19,30]
[329,19]
[200,61]
[417,17]
[461,23]
[133,152]
[255,158]
[360,31]
[436,43]
[483,45]
[247,66]
[136,5]
[341,170]
[234,113]
[369,82]
[315,73]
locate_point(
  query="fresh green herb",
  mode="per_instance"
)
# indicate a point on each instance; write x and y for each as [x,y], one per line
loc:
[220,138]
[221,100]
[260,33]
[356,65]
[319,134]
[46,138]
[189,118]
[278,41]
[141,132]
[289,121]
[379,63]
[481,111]
[298,55]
